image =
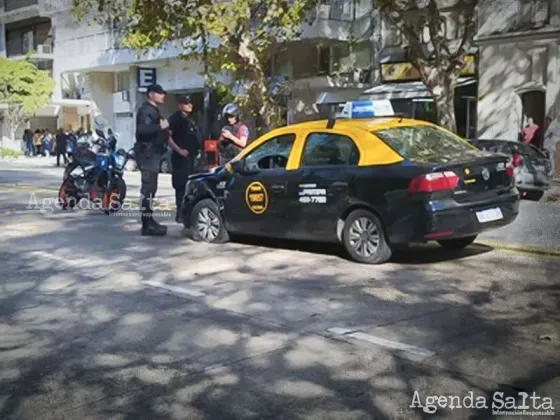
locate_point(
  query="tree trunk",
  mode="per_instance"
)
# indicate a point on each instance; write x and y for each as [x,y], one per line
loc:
[443,93]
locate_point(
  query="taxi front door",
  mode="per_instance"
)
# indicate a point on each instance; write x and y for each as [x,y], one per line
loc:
[256,203]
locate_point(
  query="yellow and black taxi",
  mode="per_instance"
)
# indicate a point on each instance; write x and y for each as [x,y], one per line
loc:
[369,183]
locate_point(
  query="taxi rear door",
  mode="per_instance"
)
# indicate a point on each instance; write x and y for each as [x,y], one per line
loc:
[255,200]
[320,193]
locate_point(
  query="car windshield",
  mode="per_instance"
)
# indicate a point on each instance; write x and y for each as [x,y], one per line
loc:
[426,144]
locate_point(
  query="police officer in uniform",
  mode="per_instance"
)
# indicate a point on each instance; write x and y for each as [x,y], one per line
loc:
[235,134]
[186,142]
[151,139]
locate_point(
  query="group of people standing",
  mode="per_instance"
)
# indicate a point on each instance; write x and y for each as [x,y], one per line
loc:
[181,133]
[44,143]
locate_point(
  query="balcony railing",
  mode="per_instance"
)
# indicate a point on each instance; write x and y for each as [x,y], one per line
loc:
[10,5]
[341,10]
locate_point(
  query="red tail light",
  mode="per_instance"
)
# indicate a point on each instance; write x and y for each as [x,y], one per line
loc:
[510,171]
[436,181]
[516,159]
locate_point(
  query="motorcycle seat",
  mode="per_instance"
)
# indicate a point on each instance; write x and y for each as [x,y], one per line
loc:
[85,154]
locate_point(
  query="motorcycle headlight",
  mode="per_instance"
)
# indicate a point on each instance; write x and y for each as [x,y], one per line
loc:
[120,161]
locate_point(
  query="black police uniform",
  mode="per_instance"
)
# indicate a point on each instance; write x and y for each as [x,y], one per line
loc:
[149,149]
[186,135]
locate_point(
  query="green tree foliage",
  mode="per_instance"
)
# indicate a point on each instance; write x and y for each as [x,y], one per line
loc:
[236,37]
[23,89]
[438,57]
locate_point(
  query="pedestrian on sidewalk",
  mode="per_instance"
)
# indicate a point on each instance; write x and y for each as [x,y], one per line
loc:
[235,134]
[151,141]
[186,143]
[60,147]
[47,143]
[28,141]
[37,142]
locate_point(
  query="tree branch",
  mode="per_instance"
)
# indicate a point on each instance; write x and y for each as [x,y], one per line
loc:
[469,29]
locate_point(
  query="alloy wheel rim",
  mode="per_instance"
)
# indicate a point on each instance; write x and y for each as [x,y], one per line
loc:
[364,237]
[208,224]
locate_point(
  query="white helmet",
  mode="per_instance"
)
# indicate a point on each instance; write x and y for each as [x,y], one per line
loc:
[231,110]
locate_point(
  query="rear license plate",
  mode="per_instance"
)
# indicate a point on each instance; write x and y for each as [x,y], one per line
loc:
[489,215]
[540,168]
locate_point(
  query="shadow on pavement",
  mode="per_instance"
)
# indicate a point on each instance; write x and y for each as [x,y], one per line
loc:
[82,337]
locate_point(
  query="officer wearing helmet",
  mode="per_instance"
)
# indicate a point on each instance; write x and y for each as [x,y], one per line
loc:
[235,134]
[186,142]
[151,140]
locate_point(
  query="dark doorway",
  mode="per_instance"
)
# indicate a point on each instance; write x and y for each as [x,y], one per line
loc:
[534,103]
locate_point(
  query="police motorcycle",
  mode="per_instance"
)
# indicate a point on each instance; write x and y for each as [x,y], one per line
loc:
[95,174]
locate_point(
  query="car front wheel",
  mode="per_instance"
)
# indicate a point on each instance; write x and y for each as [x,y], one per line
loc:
[207,224]
[364,238]
[457,244]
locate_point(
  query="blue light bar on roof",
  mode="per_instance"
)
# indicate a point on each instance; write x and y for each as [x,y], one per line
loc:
[367,109]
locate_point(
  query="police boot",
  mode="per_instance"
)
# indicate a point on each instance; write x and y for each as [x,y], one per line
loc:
[149,226]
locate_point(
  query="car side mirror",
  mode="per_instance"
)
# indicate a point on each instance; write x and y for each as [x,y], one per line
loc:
[241,167]
[238,166]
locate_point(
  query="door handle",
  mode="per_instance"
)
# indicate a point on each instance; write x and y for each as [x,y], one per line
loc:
[278,188]
[340,184]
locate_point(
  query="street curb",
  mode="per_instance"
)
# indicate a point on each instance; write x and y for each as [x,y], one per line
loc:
[500,246]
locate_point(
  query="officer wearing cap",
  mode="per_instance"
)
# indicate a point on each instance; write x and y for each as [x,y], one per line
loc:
[186,142]
[151,139]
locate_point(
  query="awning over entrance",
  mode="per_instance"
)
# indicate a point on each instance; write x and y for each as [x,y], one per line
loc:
[407,90]
[49,111]
[338,97]
[52,110]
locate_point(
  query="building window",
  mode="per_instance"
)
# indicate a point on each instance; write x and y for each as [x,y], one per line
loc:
[323,60]
[10,5]
[123,81]
[391,35]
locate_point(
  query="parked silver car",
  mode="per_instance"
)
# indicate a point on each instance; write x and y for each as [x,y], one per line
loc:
[533,169]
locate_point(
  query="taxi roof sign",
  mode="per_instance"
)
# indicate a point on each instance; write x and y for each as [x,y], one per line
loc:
[368,109]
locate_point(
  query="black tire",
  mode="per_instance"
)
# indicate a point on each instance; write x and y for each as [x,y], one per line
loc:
[66,199]
[207,205]
[383,251]
[116,205]
[534,195]
[457,244]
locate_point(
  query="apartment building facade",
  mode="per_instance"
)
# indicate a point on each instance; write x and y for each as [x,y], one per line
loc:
[89,67]
[26,28]
[400,82]
[519,43]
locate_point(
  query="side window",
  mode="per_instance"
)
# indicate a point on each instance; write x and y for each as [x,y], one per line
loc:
[323,149]
[272,154]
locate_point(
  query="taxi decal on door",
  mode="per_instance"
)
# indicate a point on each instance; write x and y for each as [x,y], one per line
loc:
[256,197]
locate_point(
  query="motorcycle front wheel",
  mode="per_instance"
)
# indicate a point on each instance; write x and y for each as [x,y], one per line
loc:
[113,198]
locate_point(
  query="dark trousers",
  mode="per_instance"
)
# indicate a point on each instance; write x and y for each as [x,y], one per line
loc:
[182,168]
[63,154]
[148,162]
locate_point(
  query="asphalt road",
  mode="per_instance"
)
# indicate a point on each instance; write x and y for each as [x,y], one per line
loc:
[97,322]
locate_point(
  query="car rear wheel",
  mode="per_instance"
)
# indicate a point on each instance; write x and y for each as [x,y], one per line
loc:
[457,244]
[207,224]
[364,238]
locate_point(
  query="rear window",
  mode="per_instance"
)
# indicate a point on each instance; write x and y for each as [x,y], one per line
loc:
[494,146]
[426,144]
